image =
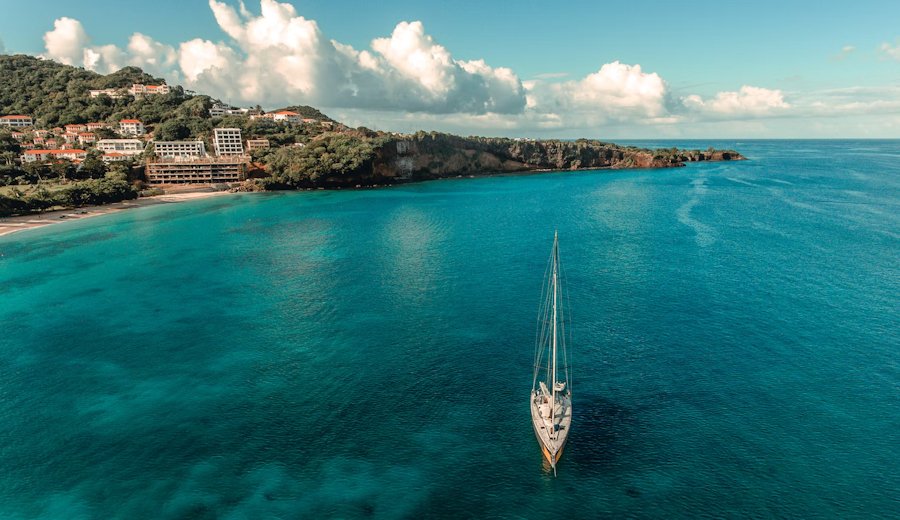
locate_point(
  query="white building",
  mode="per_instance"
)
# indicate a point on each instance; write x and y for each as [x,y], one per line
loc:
[45,155]
[286,116]
[219,110]
[16,121]
[228,141]
[138,89]
[257,144]
[131,127]
[123,146]
[179,149]
[114,93]
[109,157]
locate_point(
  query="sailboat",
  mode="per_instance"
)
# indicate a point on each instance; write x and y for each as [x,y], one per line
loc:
[551,394]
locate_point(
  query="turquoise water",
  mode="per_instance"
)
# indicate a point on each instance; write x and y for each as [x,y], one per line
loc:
[367,353]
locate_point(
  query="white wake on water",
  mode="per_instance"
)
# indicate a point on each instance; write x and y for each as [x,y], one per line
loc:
[705,235]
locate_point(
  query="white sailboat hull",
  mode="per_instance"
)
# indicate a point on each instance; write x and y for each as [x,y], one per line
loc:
[552,435]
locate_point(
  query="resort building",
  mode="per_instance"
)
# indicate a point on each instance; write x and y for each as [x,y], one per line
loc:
[109,157]
[310,121]
[219,110]
[41,133]
[75,129]
[95,126]
[131,127]
[123,146]
[201,171]
[114,93]
[45,155]
[286,116]
[16,121]
[138,89]
[227,141]
[18,136]
[179,149]
[257,144]
[86,138]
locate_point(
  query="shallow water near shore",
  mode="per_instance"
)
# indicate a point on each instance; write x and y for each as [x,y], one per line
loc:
[366,354]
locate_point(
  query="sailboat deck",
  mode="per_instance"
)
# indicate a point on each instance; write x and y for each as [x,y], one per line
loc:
[552,443]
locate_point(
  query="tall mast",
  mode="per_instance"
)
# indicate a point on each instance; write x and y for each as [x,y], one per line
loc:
[553,365]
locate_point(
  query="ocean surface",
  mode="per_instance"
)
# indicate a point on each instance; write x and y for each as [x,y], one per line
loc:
[367,354]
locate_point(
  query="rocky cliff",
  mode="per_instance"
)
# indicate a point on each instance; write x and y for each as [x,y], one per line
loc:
[436,155]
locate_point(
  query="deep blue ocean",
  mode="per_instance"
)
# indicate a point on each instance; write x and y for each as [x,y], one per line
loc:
[367,354]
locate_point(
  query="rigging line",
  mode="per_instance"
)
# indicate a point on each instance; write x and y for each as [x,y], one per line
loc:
[566,322]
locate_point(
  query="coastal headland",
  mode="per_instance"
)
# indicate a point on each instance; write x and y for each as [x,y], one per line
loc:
[71,138]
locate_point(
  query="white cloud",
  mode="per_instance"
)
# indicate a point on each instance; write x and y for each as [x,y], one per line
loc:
[288,59]
[747,102]
[276,57]
[144,50]
[845,52]
[67,41]
[198,56]
[617,91]
[891,51]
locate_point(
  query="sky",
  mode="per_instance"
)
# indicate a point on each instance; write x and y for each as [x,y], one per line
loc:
[637,69]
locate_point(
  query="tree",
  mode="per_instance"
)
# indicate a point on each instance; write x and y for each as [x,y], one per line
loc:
[92,167]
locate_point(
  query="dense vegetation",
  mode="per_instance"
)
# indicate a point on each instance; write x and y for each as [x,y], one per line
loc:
[112,188]
[55,95]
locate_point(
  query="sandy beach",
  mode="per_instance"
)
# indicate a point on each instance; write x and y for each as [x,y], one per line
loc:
[10,225]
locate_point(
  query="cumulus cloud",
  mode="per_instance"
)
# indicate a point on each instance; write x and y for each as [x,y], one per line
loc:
[615,92]
[275,57]
[890,51]
[746,102]
[67,41]
[279,57]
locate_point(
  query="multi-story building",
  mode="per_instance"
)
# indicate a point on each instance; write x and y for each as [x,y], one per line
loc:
[131,127]
[16,121]
[138,89]
[209,170]
[179,149]
[286,116]
[45,155]
[18,136]
[109,157]
[75,129]
[227,141]
[95,126]
[114,93]
[219,110]
[86,138]
[124,146]
[257,144]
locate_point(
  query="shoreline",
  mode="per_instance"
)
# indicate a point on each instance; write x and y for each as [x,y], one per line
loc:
[185,193]
[10,225]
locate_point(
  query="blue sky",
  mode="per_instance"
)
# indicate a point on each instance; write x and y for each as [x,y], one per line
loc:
[816,70]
